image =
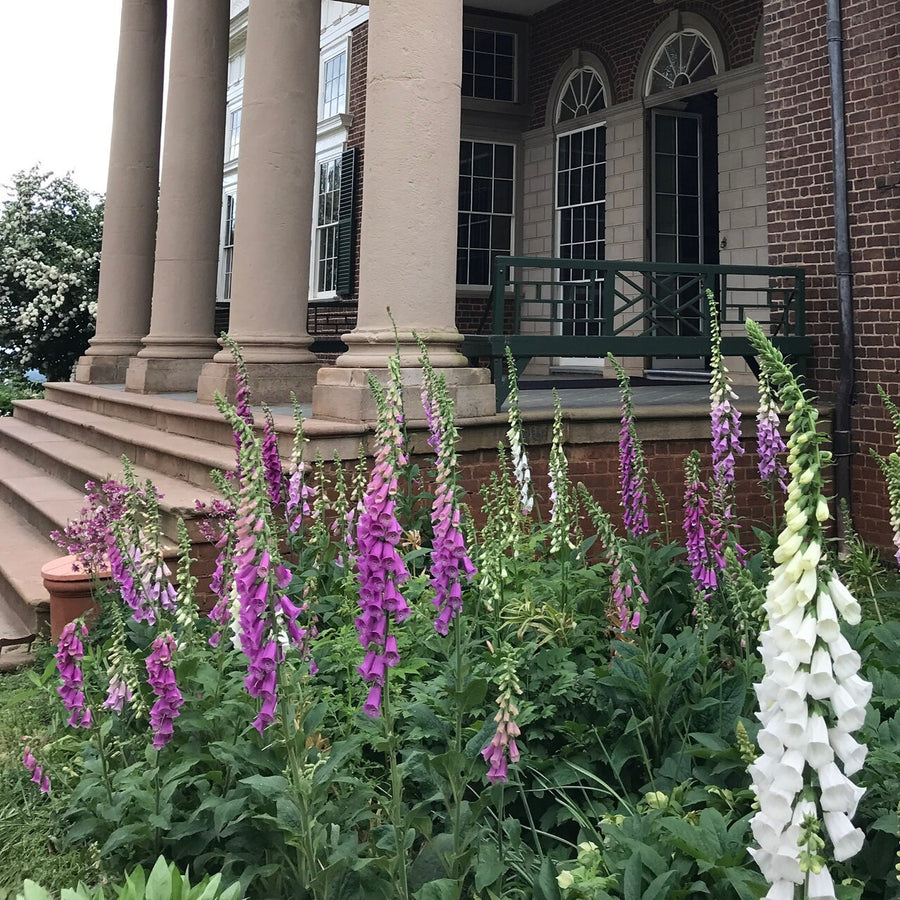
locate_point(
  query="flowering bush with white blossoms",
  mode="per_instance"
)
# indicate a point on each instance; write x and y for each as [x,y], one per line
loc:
[50,232]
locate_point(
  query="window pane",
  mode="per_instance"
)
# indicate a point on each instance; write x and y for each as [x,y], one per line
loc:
[665,174]
[666,214]
[482,195]
[503,161]
[500,233]
[503,197]
[483,160]
[687,136]
[479,267]
[485,208]
[688,216]
[665,134]
[488,64]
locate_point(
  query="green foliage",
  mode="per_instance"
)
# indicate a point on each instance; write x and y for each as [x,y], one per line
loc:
[50,231]
[15,387]
[163,882]
[632,780]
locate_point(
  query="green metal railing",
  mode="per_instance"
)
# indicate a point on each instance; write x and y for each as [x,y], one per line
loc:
[567,308]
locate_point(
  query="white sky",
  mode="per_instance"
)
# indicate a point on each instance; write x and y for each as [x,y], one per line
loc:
[57,71]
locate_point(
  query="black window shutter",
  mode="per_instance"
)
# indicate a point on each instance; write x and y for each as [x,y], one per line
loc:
[347,224]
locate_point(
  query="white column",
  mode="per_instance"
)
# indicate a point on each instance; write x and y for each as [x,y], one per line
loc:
[410,198]
[274,216]
[129,219]
[187,241]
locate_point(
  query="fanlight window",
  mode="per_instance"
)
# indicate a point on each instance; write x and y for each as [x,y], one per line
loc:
[582,95]
[684,58]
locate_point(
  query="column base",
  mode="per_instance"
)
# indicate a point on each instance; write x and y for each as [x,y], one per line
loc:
[269,382]
[102,369]
[371,348]
[344,393]
[156,375]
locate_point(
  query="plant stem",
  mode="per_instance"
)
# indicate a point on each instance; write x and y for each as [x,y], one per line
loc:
[396,804]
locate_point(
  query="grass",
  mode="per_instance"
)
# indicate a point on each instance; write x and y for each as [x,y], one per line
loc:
[31,824]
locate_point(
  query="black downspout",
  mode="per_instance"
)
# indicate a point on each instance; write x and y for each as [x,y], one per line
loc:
[841,434]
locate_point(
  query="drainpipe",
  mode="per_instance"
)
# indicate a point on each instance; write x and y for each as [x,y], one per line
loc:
[841,433]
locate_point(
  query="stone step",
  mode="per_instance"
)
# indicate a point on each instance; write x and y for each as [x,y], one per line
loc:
[74,463]
[181,457]
[181,415]
[159,412]
[44,502]
[24,604]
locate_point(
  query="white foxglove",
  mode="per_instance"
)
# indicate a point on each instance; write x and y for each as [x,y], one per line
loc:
[846,840]
[820,885]
[818,746]
[820,683]
[807,660]
[850,752]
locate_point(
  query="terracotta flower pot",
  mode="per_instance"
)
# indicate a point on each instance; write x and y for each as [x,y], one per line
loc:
[71,592]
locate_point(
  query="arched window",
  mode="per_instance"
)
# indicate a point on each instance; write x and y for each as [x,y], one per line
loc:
[683,58]
[582,96]
[580,195]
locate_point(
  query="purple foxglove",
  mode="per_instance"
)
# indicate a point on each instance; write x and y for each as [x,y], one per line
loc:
[632,471]
[703,572]
[69,654]
[380,568]
[502,748]
[161,678]
[271,459]
[726,446]
[769,443]
[450,562]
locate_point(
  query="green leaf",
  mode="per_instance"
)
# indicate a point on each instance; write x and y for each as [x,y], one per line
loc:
[289,817]
[695,840]
[631,882]
[226,812]
[658,888]
[488,868]
[159,882]
[889,822]
[270,786]
[545,885]
[442,889]
[474,693]
[449,764]
[127,834]
[34,891]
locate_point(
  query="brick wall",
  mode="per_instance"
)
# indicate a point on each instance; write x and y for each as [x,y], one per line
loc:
[596,465]
[617,31]
[801,219]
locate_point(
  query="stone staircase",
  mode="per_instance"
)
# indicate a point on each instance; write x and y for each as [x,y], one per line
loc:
[77,433]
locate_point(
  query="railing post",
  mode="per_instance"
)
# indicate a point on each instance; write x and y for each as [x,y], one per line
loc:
[499,293]
[607,300]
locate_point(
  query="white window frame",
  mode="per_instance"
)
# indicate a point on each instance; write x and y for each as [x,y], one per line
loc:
[496,142]
[233,142]
[229,193]
[322,160]
[328,54]
[236,66]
